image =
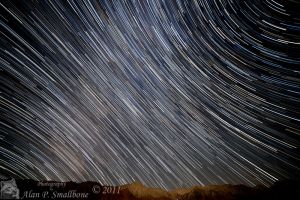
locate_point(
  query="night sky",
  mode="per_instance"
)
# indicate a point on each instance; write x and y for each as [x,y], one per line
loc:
[168,93]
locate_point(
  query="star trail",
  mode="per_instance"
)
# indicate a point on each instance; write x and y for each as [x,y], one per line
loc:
[168,93]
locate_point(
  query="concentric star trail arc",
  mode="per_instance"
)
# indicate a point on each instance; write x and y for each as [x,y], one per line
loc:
[168,93]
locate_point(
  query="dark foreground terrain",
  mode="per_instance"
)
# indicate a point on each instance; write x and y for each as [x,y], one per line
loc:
[29,189]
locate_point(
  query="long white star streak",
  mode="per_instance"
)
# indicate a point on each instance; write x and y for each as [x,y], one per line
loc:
[170,93]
